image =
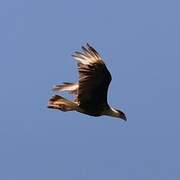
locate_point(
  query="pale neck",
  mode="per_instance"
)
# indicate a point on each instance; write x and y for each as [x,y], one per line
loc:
[111,112]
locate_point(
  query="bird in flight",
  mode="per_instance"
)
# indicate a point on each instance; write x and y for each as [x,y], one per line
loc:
[91,90]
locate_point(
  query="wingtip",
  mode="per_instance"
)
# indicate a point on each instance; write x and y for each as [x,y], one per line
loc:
[88,45]
[72,54]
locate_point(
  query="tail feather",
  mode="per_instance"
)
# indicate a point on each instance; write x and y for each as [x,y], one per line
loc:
[59,102]
[70,87]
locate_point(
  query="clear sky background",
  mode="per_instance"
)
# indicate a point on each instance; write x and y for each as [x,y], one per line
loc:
[140,43]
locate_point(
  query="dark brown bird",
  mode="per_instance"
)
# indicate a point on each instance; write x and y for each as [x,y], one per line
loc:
[91,90]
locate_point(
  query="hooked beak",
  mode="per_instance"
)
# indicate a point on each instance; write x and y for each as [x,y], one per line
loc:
[124,117]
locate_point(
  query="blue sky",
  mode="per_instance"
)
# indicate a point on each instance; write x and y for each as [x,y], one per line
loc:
[139,41]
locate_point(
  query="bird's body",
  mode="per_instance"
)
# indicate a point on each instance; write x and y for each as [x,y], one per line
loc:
[91,90]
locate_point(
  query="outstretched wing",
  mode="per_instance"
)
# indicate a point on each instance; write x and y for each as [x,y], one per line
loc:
[72,88]
[94,79]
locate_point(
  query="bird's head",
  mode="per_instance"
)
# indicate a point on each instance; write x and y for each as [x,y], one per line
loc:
[115,113]
[121,115]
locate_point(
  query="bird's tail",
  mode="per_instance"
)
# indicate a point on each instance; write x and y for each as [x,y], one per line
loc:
[59,102]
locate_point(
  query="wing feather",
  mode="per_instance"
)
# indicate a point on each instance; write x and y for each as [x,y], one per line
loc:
[94,79]
[72,88]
